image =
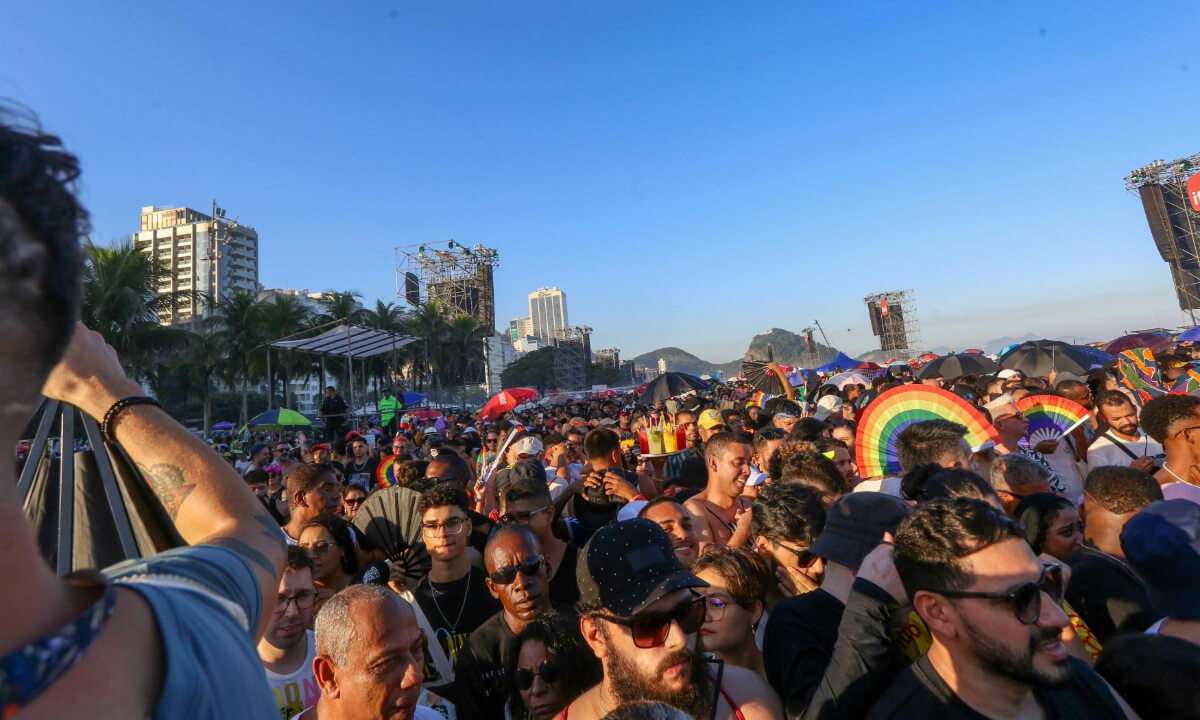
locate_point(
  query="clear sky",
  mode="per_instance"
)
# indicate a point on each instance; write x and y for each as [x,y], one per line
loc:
[690,173]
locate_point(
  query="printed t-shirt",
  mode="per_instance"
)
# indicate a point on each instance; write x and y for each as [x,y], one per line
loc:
[297,691]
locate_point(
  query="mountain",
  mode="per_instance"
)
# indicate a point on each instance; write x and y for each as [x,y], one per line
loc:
[682,361]
[789,349]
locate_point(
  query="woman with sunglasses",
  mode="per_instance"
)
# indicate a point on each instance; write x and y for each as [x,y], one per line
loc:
[352,499]
[550,665]
[327,540]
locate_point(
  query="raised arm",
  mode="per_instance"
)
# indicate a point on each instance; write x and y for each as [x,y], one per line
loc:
[204,496]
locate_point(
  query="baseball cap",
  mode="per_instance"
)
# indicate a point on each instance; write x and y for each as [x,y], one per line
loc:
[257,448]
[1162,542]
[828,405]
[710,419]
[1006,373]
[629,565]
[528,445]
[855,525]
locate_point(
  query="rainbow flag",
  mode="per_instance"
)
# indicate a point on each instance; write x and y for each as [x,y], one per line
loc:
[1050,416]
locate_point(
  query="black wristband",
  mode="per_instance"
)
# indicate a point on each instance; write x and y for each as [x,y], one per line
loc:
[117,407]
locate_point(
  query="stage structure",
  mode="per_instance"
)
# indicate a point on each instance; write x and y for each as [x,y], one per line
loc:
[573,352]
[894,321]
[1170,194]
[459,277]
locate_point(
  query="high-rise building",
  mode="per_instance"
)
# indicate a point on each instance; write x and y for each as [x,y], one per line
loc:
[213,262]
[547,312]
[520,327]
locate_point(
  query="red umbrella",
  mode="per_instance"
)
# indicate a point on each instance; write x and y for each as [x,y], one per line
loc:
[867,366]
[506,401]
[1157,343]
[973,351]
[928,356]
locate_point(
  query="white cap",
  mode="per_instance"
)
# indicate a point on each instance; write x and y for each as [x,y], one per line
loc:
[827,406]
[528,445]
[1006,374]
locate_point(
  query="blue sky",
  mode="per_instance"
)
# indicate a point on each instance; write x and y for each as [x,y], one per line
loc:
[690,173]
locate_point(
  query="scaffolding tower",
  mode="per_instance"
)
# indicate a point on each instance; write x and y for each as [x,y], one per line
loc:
[572,353]
[458,277]
[894,321]
[1170,194]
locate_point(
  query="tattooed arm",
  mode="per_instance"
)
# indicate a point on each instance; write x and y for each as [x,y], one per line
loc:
[202,493]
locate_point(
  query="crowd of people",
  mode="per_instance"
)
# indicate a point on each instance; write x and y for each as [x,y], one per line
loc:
[553,569]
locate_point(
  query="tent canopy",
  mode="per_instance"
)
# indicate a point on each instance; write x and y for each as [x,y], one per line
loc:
[347,340]
[841,361]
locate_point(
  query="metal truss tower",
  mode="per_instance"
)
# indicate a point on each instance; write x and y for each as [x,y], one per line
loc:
[894,321]
[459,277]
[1170,194]
[573,352]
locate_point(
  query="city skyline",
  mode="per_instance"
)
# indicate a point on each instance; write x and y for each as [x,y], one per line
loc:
[691,175]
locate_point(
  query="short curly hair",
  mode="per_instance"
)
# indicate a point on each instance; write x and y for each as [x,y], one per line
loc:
[41,222]
[932,542]
[1162,412]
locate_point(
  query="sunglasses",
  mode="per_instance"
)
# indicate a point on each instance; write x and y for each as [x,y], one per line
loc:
[772,434]
[651,629]
[547,671]
[1026,600]
[354,501]
[528,568]
[803,557]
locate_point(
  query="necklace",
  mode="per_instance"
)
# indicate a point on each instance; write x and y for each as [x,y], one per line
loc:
[433,593]
[357,467]
[1176,476]
[603,705]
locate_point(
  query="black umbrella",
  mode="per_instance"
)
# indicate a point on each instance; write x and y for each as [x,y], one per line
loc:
[953,366]
[1037,358]
[669,385]
[759,377]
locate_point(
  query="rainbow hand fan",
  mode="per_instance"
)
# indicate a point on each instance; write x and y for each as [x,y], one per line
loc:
[385,474]
[881,423]
[1050,417]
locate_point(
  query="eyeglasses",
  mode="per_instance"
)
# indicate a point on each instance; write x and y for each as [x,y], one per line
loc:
[1185,431]
[528,568]
[354,501]
[772,434]
[453,526]
[716,608]
[1026,600]
[803,557]
[547,671]
[521,518]
[318,549]
[492,440]
[651,629]
[303,602]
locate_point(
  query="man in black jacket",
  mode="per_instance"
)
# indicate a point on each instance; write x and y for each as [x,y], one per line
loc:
[803,631]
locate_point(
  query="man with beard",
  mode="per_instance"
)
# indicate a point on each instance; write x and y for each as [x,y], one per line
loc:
[1123,443]
[993,611]
[519,578]
[642,618]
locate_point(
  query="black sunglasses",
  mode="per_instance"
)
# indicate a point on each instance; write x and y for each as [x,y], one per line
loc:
[651,629]
[523,677]
[772,434]
[803,557]
[528,568]
[1026,600]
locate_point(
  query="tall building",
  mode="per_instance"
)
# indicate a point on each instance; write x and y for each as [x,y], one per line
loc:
[213,264]
[547,312]
[520,327]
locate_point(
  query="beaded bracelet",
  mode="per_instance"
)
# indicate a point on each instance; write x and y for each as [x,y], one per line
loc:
[117,407]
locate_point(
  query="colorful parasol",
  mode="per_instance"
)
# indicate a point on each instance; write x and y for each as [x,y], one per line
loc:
[884,419]
[1050,416]
[1139,373]
[1155,342]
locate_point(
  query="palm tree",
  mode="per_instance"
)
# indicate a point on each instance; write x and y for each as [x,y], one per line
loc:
[239,321]
[283,316]
[389,318]
[341,306]
[202,359]
[462,349]
[428,323]
[121,301]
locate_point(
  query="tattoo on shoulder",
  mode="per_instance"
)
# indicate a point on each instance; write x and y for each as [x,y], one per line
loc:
[169,485]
